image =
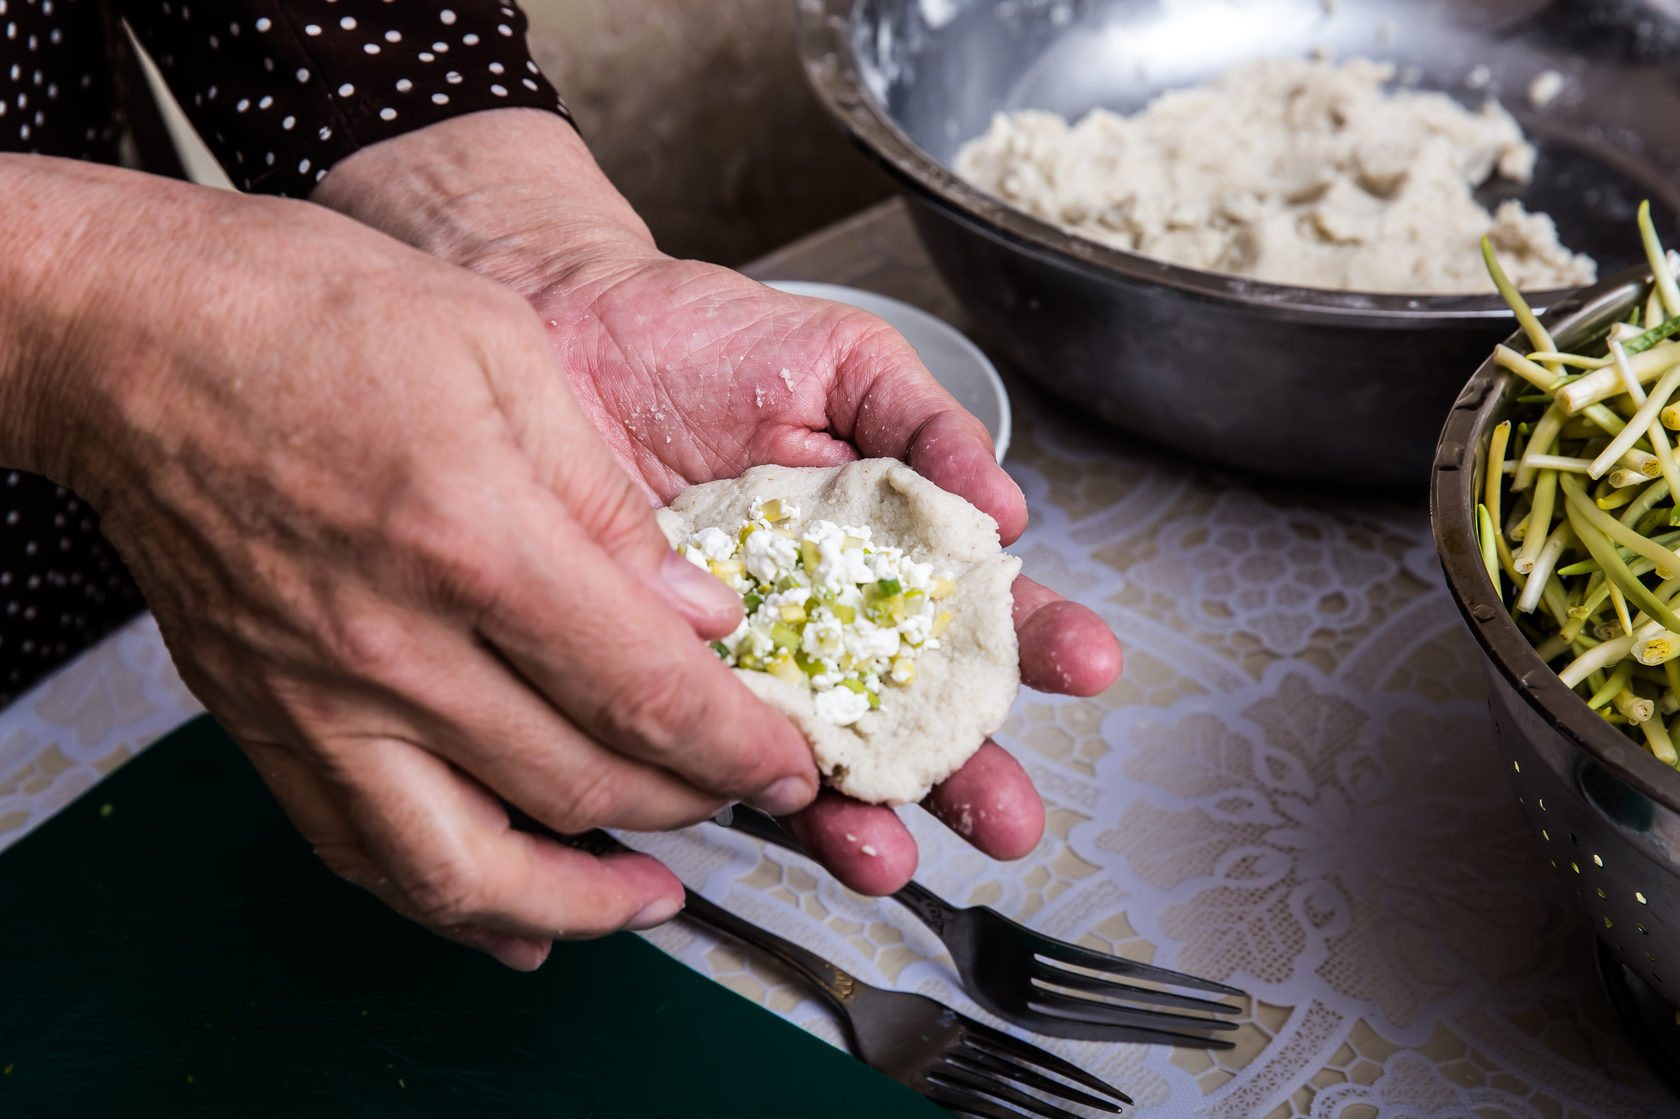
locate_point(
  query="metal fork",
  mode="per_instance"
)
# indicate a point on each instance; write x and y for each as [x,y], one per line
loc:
[1027,978]
[954,1061]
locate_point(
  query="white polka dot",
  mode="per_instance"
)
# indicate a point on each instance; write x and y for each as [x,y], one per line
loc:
[346,90]
[233,29]
[311,29]
[215,43]
[496,67]
[269,159]
[348,23]
[52,90]
[528,84]
[244,103]
[325,133]
[268,64]
[264,23]
[441,48]
[287,123]
[453,77]
[303,166]
[321,174]
[404,85]
[387,114]
[370,48]
[302,74]
[210,93]
[393,36]
[427,56]
[265,102]
[531,66]
[499,90]
[470,39]
[446,16]
[440,98]
[504,29]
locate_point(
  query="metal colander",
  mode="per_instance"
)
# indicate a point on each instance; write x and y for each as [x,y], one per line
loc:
[1606,812]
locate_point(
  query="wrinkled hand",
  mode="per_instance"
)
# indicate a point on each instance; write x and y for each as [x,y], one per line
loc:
[693,373]
[392,555]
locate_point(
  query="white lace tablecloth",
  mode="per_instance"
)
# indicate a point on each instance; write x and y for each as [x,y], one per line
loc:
[1293,789]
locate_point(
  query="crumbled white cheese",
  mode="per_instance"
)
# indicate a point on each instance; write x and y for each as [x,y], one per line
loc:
[842,707]
[829,607]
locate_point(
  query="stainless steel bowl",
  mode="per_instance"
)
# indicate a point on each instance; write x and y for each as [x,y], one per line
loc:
[1605,811]
[1296,382]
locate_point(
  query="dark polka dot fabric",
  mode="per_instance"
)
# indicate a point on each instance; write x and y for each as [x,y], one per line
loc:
[62,586]
[58,92]
[281,90]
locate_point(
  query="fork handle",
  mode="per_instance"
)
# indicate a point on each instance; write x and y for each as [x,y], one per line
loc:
[931,909]
[835,984]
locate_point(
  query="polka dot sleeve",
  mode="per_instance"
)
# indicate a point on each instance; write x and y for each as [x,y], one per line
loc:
[283,89]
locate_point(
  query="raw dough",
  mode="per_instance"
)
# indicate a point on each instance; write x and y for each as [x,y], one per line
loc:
[1289,171]
[962,691]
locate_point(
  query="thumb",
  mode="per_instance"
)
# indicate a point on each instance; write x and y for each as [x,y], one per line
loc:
[576,464]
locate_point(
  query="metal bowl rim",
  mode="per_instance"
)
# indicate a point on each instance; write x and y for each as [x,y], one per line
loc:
[1452,520]
[824,33]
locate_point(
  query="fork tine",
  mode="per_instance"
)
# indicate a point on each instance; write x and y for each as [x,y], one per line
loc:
[1079,981]
[1008,1093]
[1066,953]
[1110,1014]
[978,1035]
[988,1062]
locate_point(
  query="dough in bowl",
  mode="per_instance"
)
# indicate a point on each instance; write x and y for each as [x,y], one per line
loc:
[880,614]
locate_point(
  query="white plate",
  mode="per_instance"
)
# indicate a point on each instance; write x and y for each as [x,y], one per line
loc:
[954,361]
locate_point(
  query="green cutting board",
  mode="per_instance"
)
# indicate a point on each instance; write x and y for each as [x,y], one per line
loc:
[170,946]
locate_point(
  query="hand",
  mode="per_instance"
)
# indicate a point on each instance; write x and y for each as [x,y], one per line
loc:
[679,364]
[390,553]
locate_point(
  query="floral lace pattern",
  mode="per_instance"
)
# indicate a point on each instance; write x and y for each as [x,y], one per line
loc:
[1292,789]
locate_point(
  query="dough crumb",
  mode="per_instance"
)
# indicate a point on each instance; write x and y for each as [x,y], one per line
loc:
[787,379]
[1288,171]
[1544,89]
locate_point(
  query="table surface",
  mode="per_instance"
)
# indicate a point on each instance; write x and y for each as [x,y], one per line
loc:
[1292,789]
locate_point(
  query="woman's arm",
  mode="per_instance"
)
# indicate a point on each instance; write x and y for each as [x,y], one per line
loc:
[384,544]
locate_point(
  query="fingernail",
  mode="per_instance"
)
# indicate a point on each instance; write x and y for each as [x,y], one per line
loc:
[517,952]
[702,591]
[656,913]
[790,794]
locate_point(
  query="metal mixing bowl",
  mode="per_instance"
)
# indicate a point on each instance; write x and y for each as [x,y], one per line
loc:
[1291,381]
[1606,812]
